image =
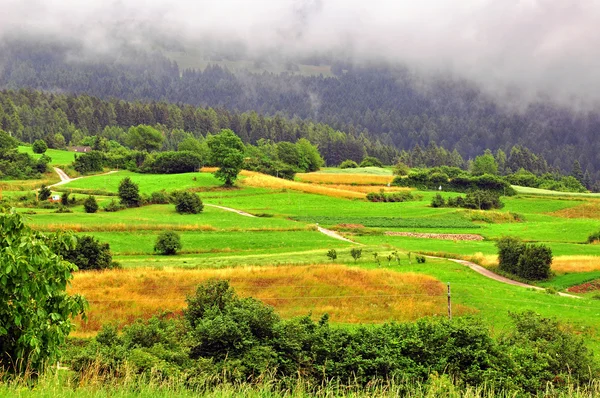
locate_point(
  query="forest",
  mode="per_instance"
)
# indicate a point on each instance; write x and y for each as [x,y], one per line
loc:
[387,108]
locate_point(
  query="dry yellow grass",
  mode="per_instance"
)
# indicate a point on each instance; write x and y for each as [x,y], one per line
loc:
[349,179]
[590,209]
[348,295]
[18,185]
[209,169]
[571,264]
[118,227]
[264,181]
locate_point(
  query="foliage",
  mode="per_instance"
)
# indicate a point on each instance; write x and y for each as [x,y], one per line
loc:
[129,193]
[348,164]
[89,162]
[420,259]
[90,205]
[187,203]
[36,311]
[529,261]
[401,169]
[356,253]
[174,162]
[435,178]
[144,138]
[485,164]
[438,201]
[390,196]
[15,165]
[227,153]
[88,254]
[113,206]
[64,199]
[371,161]
[594,237]
[168,243]
[44,193]
[332,254]
[39,146]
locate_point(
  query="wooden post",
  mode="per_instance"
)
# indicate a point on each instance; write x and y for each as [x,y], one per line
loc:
[449,303]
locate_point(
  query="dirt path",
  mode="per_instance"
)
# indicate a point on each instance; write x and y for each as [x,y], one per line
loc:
[241,213]
[489,274]
[65,179]
[335,235]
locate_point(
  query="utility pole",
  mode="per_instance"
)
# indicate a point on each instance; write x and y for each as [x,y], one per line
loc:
[449,303]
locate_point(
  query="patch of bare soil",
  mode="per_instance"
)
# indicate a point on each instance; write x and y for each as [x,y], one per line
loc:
[586,287]
[436,236]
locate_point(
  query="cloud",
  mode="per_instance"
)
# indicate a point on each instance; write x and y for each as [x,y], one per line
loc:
[529,47]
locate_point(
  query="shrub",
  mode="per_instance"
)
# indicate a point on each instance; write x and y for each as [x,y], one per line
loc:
[63,209]
[420,259]
[90,205]
[39,146]
[188,203]
[594,237]
[175,162]
[389,196]
[332,254]
[483,200]
[64,199]
[89,162]
[44,193]
[348,164]
[159,198]
[509,251]
[89,253]
[371,161]
[401,169]
[534,263]
[129,193]
[168,243]
[42,163]
[438,201]
[356,253]
[113,206]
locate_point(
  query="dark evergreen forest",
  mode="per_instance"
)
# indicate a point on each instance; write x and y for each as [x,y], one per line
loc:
[386,106]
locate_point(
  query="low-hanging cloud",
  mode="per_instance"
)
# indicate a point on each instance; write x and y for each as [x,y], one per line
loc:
[528,47]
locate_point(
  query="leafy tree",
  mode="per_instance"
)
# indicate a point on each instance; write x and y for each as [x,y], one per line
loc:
[371,161]
[90,205]
[401,169]
[288,153]
[44,193]
[332,254]
[36,310]
[485,164]
[39,146]
[438,201]
[509,251]
[309,158]
[129,193]
[227,153]
[534,262]
[88,253]
[89,162]
[168,243]
[174,162]
[356,253]
[144,138]
[188,203]
[64,199]
[348,164]
[576,171]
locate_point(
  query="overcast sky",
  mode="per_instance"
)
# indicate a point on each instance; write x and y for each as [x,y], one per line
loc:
[548,46]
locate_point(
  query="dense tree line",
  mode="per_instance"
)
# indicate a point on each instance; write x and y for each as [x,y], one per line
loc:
[389,104]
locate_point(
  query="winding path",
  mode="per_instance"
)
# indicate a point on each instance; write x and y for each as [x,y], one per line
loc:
[241,213]
[65,179]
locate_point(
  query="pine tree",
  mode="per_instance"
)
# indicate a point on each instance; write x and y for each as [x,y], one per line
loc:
[577,172]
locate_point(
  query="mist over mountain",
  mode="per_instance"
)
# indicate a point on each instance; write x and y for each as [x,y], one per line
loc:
[469,75]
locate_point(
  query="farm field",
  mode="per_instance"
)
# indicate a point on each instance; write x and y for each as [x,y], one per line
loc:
[285,245]
[59,157]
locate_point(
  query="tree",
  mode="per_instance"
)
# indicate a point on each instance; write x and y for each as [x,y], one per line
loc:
[485,164]
[90,205]
[309,158]
[534,262]
[356,253]
[332,254]
[509,251]
[64,199]
[188,203]
[401,169]
[227,153]
[39,146]
[129,193]
[348,164]
[44,192]
[88,253]
[144,138]
[168,243]
[36,312]
[576,171]
[371,161]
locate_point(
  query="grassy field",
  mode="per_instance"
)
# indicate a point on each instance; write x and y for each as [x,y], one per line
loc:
[265,255]
[59,157]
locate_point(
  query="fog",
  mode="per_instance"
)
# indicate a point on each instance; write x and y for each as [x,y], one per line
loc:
[524,49]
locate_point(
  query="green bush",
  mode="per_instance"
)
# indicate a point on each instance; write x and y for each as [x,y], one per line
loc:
[332,254]
[348,164]
[159,198]
[90,205]
[89,162]
[39,146]
[187,203]
[168,243]
[509,251]
[371,161]
[356,253]
[389,196]
[113,206]
[88,254]
[529,261]
[174,162]
[129,193]
[64,199]
[44,193]
[594,237]
[420,259]
[438,201]
[401,169]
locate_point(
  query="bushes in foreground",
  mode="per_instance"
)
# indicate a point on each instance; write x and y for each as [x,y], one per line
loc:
[224,337]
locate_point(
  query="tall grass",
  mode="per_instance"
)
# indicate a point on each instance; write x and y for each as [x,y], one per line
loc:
[572,264]
[589,209]
[265,181]
[348,295]
[348,179]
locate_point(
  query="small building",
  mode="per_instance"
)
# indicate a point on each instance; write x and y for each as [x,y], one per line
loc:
[54,198]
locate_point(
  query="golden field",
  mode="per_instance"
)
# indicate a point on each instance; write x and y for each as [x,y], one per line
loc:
[344,179]
[348,295]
